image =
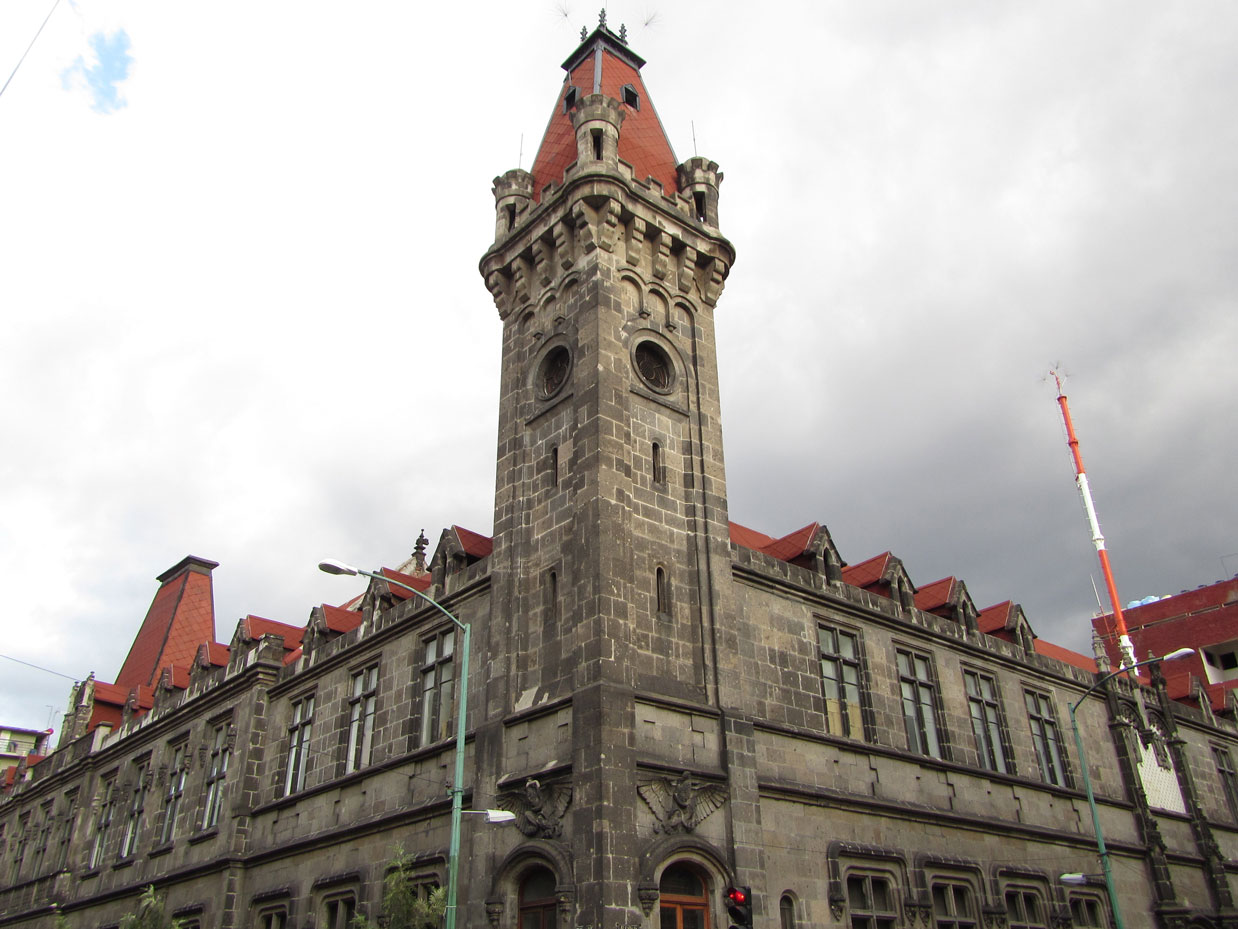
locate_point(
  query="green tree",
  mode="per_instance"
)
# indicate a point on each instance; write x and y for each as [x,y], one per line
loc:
[404,906]
[150,913]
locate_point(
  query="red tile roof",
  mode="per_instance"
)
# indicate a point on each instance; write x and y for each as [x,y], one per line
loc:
[217,654]
[993,619]
[255,627]
[474,544]
[867,573]
[749,538]
[420,582]
[346,620]
[936,595]
[180,618]
[1050,650]
[642,140]
[793,544]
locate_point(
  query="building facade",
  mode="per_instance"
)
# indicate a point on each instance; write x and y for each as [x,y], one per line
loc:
[670,703]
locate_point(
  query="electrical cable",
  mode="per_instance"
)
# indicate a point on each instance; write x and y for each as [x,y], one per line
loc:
[55,4]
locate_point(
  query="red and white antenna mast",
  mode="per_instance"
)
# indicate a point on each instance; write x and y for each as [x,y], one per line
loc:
[1125,645]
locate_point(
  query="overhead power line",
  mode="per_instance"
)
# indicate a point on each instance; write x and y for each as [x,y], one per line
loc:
[55,4]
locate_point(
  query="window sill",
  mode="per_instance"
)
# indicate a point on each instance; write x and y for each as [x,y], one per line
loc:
[123,863]
[204,835]
[87,875]
[161,850]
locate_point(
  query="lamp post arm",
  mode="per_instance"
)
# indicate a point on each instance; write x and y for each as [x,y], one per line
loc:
[434,603]
[1100,837]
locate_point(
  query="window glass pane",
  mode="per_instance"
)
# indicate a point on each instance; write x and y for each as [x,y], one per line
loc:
[681,881]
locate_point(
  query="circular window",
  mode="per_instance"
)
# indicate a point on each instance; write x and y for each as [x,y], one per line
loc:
[654,366]
[553,371]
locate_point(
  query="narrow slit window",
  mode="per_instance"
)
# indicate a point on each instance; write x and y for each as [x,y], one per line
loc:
[698,198]
[597,143]
[659,475]
[554,466]
[663,585]
[511,216]
[552,600]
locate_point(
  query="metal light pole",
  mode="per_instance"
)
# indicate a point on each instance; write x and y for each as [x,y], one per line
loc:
[457,788]
[1087,781]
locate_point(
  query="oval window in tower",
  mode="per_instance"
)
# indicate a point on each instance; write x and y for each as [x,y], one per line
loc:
[654,366]
[553,371]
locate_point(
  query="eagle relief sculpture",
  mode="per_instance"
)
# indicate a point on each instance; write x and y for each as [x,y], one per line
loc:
[681,804]
[539,810]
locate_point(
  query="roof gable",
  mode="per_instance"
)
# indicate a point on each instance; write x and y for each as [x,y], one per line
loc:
[181,617]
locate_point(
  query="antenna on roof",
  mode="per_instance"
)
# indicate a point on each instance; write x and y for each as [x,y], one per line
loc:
[1125,648]
[693,123]
[1100,607]
[520,157]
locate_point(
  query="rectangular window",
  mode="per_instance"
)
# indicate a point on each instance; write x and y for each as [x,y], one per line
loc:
[43,837]
[953,906]
[217,771]
[1024,910]
[839,652]
[23,834]
[175,790]
[1229,780]
[300,730]
[986,721]
[338,912]
[1045,738]
[66,829]
[919,695]
[870,902]
[362,704]
[1086,912]
[273,919]
[137,805]
[103,822]
[437,683]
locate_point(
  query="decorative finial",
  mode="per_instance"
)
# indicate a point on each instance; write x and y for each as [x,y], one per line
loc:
[419,553]
[623,33]
[583,34]
[602,17]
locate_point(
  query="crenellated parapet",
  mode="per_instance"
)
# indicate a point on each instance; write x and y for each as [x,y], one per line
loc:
[699,179]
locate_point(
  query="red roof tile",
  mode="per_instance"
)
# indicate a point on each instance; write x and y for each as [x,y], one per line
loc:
[1050,650]
[293,655]
[474,544]
[642,140]
[868,572]
[256,627]
[993,619]
[749,538]
[346,620]
[793,544]
[420,582]
[180,618]
[217,654]
[935,595]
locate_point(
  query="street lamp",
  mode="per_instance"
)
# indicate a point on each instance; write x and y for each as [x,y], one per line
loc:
[331,566]
[1087,781]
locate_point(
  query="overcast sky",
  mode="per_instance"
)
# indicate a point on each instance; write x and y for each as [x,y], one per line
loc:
[243,319]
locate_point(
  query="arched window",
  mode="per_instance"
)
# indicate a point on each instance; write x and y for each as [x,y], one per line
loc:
[537,899]
[786,912]
[684,898]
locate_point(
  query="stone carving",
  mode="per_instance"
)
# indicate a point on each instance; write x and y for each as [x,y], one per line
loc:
[681,804]
[647,893]
[539,810]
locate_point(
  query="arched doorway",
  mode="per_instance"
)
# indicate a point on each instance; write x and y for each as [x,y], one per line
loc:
[537,899]
[683,895]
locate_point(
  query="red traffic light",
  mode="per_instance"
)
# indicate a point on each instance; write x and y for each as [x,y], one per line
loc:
[736,895]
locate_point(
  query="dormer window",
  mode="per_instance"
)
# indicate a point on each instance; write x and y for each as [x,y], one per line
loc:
[630,97]
[570,98]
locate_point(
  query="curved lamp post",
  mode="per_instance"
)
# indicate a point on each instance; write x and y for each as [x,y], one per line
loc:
[1087,781]
[331,566]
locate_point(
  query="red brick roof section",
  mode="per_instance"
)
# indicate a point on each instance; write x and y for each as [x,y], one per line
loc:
[256,627]
[793,544]
[475,544]
[1049,650]
[867,573]
[936,595]
[180,618]
[217,654]
[749,538]
[993,619]
[293,655]
[642,140]
[343,620]
[1194,619]
[420,582]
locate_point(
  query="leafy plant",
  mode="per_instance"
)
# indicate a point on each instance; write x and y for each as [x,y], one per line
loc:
[405,904]
[150,913]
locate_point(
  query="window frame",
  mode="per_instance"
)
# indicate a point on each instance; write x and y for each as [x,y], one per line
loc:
[845,725]
[435,690]
[1019,895]
[216,774]
[136,809]
[362,713]
[103,820]
[1047,742]
[1228,777]
[174,793]
[871,918]
[990,731]
[921,709]
[544,908]
[679,903]
[300,734]
[954,919]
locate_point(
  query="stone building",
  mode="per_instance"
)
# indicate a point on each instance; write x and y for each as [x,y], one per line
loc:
[669,703]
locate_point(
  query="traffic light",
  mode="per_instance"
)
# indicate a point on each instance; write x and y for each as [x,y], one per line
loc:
[739,907]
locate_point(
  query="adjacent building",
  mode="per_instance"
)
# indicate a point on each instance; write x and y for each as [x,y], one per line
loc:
[670,703]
